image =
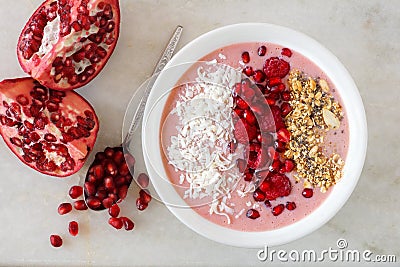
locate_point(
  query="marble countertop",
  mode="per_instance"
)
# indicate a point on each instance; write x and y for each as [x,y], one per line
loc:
[364,35]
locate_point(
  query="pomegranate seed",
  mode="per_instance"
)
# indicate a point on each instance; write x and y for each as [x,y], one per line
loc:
[262,50]
[283,135]
[80,205]
[122,192]
[279,146]
[248,177]
[274,81]
[252,214]
[290,205]
[90,188]
[286,108]
[248,71]
[289,165]
[64,208]
[114,210]
[259,76]
[145,196]
[259,195]
[246,57]
[307,192]
[277,210]
[107,202]
[93,202]
[75,191]
[116,222]
[140,204]
[56,241]
[248,115]
[73,228]
[240,103]
[286,96]
[286,52]
[275,166]
[128,224]
[267,203]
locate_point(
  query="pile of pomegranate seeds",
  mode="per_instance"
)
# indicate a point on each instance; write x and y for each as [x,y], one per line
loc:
[266,142]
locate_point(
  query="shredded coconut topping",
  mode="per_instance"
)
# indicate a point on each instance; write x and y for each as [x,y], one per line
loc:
[200,149]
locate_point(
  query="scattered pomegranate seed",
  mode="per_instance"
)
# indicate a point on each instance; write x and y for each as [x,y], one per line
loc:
[264,186]
[285,96]
[277,210]
[267,203]
[114,210]
[64,208]
[252,214]
[80,205]
[286,108]
[286,52]
[141,204]
[128,224]
[262,50]
[145,196]
[259,195]
[116,222]
[274,81]
[73,228]
[246,57]
[56,241]
[307,192]
[290,205]
[248,176]
[275,166]
[75,191]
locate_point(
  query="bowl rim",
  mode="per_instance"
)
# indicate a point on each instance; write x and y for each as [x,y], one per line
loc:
[333,68]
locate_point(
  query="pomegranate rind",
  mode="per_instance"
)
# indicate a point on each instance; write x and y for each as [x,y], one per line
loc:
[40,66]
[72,102]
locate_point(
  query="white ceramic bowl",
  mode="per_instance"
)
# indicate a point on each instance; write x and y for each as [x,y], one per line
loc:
[257,32]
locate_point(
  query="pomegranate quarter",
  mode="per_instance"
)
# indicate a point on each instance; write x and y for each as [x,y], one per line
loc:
[65,44]
[52,132]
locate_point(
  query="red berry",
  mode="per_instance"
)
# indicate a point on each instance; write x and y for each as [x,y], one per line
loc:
[73,228]
[252,214]
[277,210]
[275,67]
[64,208]
[290,205]
[75,191]
[307,192]
[114,210]
[246,57]
[289,165]
[280,186]
[56,241]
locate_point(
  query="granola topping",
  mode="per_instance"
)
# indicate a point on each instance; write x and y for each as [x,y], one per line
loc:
[314,113]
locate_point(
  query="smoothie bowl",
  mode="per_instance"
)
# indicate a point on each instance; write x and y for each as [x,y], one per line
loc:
[254,135]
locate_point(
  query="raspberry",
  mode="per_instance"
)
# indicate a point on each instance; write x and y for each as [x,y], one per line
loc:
[280,186]
[276,67]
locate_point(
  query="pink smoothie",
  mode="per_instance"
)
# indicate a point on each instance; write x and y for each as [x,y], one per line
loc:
[336,141]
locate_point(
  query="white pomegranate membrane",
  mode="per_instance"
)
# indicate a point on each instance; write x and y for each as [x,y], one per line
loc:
[216,189]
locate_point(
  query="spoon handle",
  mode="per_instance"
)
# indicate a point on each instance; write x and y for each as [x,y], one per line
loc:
[165,57]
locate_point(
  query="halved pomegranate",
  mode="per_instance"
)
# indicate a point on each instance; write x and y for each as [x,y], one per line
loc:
[50,131]
[66,43]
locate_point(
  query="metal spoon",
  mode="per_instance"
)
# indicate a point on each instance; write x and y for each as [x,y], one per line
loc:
[135,126]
